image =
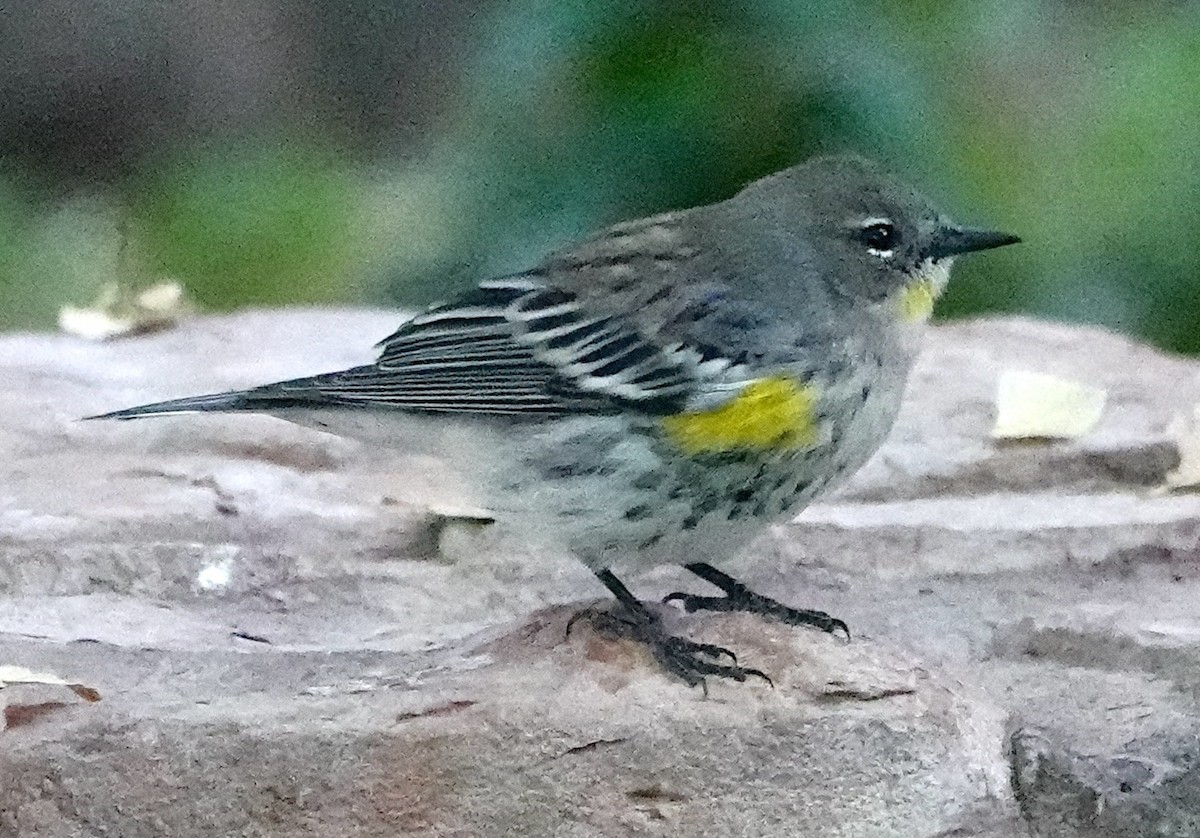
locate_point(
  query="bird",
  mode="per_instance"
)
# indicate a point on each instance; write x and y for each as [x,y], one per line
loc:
[666,389]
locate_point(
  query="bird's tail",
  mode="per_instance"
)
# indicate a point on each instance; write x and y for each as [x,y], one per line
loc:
[214,403]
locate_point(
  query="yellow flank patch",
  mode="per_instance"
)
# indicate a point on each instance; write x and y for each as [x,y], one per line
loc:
[771,413]
[916,300]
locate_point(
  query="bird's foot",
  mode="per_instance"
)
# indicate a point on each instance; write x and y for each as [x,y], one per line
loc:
[686,659]
[740,598]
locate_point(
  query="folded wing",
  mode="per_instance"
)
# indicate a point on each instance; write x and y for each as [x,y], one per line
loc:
[513,346]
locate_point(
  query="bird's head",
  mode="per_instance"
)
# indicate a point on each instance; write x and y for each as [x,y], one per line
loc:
[868,237]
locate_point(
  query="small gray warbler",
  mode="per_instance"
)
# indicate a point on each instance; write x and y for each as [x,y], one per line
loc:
[665,390]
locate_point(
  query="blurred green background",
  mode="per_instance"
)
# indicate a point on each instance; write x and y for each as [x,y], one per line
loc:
[271,152]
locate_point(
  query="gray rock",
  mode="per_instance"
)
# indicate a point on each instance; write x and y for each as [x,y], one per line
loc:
[1149,789]
[291,635]
[522,732]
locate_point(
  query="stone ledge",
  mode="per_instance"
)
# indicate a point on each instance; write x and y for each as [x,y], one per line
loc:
[522,732]
[290,637]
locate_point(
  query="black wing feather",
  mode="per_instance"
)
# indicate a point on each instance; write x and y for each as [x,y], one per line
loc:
[511,347]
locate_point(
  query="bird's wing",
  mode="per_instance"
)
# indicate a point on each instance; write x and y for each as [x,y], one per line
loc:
[512,346]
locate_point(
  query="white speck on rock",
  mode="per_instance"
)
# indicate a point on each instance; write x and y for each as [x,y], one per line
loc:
[215,575]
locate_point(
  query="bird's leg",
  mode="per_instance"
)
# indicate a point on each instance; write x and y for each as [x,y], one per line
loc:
[740,598]
[686,659]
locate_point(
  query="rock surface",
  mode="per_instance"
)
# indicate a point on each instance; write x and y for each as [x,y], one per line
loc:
[291,635]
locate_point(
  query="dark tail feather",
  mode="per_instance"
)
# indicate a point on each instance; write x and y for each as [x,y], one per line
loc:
[217,402]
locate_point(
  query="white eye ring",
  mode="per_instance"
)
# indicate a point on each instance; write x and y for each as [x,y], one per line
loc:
[873,228]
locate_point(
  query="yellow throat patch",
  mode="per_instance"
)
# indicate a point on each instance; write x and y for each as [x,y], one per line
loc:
[916,300]
[769,414]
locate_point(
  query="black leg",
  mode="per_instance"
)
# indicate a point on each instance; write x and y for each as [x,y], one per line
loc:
[740,598]
[686,659]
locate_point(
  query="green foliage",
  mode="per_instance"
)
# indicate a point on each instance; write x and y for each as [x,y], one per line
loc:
[251,225]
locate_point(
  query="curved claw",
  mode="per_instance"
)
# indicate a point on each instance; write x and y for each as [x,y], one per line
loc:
[710,649]
[688,660]
[693,671]
[758,673]
[740,598]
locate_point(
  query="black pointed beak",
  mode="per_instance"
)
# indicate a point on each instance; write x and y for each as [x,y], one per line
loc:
[951,241]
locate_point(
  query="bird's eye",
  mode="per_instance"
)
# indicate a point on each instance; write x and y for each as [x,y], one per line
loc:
[880,237]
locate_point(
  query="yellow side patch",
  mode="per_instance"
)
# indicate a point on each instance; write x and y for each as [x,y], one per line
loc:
[916,300]
[772,413]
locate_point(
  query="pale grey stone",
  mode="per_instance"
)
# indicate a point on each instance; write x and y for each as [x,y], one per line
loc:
[295,636]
